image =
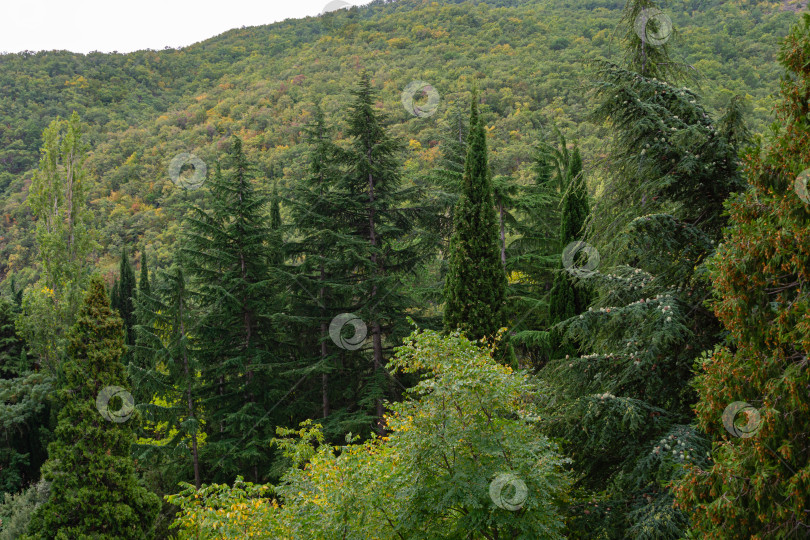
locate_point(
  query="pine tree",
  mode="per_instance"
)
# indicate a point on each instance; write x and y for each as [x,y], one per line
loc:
[376,214]
[240,349]
[94,490]
[475,288]
[754,405]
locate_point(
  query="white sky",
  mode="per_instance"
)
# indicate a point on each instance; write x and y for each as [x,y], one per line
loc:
[118,25]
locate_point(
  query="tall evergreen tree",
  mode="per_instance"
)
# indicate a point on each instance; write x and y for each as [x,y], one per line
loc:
[94,490]
[566,299]
[322,285]
[671,168]
[169,383]
[754,404]
[24,408]
[475,289]
[143,283]
[377,214]
[115,295]
[244,372]
[127,292]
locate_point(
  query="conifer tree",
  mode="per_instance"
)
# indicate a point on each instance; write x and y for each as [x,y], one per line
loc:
[625,406]
[565,299]
[169,383]
[94,490]
[229,250]
[24,408]
[753,399]
[115,295]
[376,211]
[143,283]
[475,288]
[322,285]
[534,255]
[127,291]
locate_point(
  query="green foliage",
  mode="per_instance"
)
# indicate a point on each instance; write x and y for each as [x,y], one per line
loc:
[756,485]
[24,408]
[475,287]
[376,216]
[145,107]
[57,198]
[226,253]
[16,510]
[94,491]
[143,283]
[468,421]
[619,405]
[123,299]
[321,278]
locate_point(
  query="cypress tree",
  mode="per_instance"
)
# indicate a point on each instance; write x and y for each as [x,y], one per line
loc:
[143,282]
[94,490]
[753,399]
[475,288]
[115,296]
[566,299]
[126,298]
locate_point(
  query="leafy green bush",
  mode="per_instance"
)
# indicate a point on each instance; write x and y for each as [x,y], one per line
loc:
[462,456]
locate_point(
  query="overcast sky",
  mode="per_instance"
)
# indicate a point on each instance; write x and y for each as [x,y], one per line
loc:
[118,25]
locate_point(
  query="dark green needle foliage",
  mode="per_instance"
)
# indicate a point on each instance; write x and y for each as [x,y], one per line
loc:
[127,292]
[475,289]
[24,407]
[169,383]
[143,282]
[229,250]
[322,285]
[376,211]
[625,407]
[94,489]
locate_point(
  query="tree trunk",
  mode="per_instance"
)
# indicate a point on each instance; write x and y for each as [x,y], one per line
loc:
[503,236]
[375,325]
[190,403]
[324,333]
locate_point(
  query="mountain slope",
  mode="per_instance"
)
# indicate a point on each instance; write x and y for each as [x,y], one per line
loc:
[529,59]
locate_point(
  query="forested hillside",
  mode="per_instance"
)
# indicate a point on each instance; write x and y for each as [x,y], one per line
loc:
[530,60]
[419,269]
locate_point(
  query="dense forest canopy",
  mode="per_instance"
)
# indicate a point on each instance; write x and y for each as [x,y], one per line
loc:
[417,269]
[529,59]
